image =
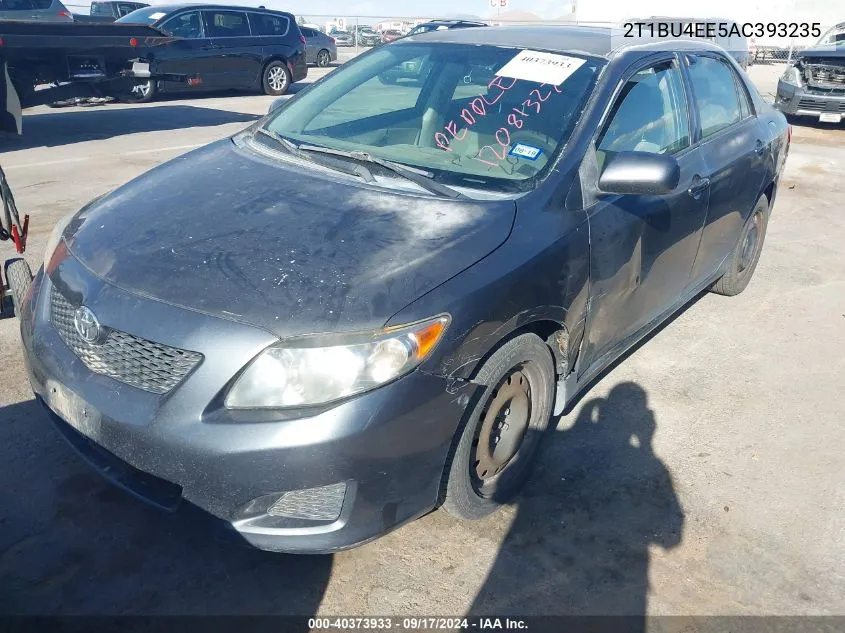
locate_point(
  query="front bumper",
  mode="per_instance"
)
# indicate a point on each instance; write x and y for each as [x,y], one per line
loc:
[384,450]
[803,101]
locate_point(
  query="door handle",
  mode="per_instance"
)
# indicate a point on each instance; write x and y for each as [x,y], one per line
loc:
[759,147]
[698,186]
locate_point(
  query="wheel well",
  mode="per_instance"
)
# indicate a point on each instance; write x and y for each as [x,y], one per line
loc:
[546,329]
[769,192]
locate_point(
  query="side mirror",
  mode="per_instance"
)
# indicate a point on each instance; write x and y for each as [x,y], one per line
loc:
[640,173]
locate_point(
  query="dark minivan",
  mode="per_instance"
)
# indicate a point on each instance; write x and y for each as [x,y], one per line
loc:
[223,47]
[371,302]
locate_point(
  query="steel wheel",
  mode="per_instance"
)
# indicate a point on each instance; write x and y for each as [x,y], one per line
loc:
[323,58]
[751,242]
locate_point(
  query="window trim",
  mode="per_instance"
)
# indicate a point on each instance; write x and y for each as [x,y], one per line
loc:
[752,112]
[625,77]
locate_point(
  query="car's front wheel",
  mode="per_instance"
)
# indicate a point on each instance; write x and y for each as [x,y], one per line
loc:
[276,78]
[143,92]
[493,456]
[323,58]
[743,260]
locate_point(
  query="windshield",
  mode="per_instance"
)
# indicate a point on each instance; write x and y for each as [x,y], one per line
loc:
[834,37]
[147,15]
[474,115]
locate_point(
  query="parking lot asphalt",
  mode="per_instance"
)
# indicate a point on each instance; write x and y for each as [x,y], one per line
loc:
[702,475]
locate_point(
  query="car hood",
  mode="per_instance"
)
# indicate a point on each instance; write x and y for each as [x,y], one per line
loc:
[229,233]
[819,53]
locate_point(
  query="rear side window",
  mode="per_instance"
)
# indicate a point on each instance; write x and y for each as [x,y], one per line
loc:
[266,24]
[227,24]
[16,5]
[307,32]
[650,115]
[123,8]
[42,4]
[716,94]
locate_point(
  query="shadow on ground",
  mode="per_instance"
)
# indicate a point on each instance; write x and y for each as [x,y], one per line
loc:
[60,127]
[70,543]
[599,499]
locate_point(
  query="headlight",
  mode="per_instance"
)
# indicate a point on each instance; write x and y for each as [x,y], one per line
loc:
[314,371]
[792,76]
[56,237]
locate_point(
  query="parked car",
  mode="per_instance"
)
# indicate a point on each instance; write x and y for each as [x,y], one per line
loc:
[440,25]
[813,85]
[365,36]
[350,313]
[108,10]
[390,35]
[225,47]
[342,38]
[320,49]
[41,10]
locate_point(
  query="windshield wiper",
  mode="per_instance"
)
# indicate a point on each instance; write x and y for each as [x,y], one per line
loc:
[293,149]
[418,176]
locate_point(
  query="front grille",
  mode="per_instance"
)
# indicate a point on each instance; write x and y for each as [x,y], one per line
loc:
[825,76]
[129,359]
[315,504]
[821,105]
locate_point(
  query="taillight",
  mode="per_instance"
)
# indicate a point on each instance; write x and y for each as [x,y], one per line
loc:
[133,42]
[332,40]
[302,39]
[65,14]
[788,133]
[1,41]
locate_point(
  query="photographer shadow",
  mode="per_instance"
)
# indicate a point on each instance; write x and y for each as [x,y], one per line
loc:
[599,499]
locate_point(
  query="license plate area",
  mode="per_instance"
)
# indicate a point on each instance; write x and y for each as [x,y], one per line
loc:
[830,117]
[72,409]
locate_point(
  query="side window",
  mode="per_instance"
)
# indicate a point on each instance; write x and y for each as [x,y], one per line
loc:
[715,94]
[42,4]
[266,24]
[16,5]
[650,115]
[123,8]
[187,25]
[227,24]
[308,33]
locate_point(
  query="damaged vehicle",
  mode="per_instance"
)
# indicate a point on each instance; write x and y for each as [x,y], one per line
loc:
[371,302]
[814,84]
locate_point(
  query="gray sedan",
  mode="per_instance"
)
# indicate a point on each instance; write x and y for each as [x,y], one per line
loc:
[320,48]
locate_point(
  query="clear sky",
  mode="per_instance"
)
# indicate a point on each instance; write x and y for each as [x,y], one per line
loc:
[388,8]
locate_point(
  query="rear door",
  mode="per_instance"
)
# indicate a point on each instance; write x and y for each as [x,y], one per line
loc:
[238,54]
[312,45]
[17,10]
[733,147]
[642,248]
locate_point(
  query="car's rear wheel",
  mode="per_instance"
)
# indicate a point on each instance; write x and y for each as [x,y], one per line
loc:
[143,92]
[743,260]
[492,458]
[323,58]
[276,78]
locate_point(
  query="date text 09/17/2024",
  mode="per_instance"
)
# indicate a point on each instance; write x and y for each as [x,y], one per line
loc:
[421,623]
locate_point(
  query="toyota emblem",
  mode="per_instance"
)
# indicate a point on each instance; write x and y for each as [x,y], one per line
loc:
[87,325]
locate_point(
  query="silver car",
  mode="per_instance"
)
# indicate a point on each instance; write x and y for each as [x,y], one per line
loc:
[320,48]
[41,10]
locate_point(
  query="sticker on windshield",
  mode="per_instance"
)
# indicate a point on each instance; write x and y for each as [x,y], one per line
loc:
[157,16]
[526,151]
[546,68]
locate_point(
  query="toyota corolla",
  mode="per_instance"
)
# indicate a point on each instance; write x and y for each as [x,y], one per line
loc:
[370,303]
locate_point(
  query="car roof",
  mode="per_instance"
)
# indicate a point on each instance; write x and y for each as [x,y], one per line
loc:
[445,22]
[596,41]
[170,8]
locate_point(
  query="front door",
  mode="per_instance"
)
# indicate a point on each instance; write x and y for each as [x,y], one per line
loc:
[191,55]
[642,248]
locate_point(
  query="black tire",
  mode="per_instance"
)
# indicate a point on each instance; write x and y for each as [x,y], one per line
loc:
[19,275]
[323,58]
[275,80]
[468,493]
[743,260]
[143,92]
